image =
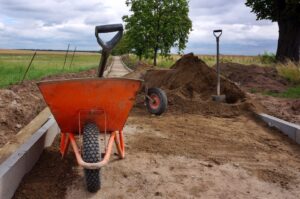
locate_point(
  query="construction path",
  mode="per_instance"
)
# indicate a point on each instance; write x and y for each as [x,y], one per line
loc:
[117,68]
[179,156]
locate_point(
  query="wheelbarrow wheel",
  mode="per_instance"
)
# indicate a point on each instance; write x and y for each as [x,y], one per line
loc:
[91,154]
[158,102]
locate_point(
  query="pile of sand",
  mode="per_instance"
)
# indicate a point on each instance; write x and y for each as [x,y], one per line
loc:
[254,78]
[190,84]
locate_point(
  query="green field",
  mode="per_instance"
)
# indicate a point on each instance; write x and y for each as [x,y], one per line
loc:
[13,64]
[167,62]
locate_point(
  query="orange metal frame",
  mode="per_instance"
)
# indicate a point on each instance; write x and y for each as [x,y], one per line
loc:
[67,138]
[106,102]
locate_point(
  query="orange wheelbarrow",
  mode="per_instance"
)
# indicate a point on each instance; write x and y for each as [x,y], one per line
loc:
[85,108]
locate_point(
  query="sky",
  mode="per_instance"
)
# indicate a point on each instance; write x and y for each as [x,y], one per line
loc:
[53,24]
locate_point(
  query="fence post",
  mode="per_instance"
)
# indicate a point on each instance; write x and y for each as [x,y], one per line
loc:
[72,57]
[66,56]
[28,67]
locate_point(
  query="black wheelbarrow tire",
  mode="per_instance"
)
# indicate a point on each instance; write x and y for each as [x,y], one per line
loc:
[160,101]
[91,154]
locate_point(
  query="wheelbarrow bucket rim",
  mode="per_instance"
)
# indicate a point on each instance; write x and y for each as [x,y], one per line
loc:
[67,98]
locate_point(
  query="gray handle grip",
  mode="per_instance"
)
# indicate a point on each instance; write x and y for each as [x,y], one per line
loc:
[108,46]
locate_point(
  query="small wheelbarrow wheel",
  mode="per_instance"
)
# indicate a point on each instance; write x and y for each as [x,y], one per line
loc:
[156,101]
[91,154]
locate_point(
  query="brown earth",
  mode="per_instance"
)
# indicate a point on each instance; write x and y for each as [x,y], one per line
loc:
[218,151]
[190,84]
[254,78]
[182,156]
[50,176]
[20,103]
[286,109]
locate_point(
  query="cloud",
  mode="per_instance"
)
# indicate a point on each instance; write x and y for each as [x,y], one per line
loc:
[55,23]
[1,26]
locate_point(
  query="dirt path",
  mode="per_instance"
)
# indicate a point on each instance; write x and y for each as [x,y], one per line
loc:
[192,156]
[195,156]
[181,156]
[117,68]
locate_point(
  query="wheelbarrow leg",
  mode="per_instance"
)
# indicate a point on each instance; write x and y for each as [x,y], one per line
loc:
[120,144]
[64,144]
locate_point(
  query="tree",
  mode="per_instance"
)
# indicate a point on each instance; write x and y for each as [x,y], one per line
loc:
[156,26]
[287,14]
[123,47]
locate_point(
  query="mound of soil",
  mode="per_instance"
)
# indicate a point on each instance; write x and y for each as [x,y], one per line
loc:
[20,103]
[254,78]
[190,84]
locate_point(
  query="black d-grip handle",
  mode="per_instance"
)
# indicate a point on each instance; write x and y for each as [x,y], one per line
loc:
[218,33]
[108,46]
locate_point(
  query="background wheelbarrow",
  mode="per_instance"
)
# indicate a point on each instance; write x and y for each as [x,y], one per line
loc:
[155,98]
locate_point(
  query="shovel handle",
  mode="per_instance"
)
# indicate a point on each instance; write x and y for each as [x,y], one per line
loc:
[217,33]
[108,46]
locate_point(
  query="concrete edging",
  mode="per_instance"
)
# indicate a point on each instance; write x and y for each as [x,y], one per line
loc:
[13,169]
[108,69]
[125,66]
[287,128]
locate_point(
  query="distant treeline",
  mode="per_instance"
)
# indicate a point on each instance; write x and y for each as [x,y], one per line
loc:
[45,50]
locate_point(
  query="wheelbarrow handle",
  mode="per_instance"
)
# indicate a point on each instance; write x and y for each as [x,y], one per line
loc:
[108,46]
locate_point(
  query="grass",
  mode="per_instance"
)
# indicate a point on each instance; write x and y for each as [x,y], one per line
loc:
[293,92]
[162,62]
[13,64]
[290,71]
[210,60]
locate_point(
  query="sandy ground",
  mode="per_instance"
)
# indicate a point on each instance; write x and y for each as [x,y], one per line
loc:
[283,108]
[181,156]
[189,156]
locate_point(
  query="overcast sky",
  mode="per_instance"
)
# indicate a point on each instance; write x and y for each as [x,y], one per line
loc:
[52,24]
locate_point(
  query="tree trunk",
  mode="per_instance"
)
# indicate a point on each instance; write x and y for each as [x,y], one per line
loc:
[155,57]
[289,41]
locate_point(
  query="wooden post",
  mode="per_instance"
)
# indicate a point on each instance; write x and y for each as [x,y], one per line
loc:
[66,56]
[72,57]
[28,67]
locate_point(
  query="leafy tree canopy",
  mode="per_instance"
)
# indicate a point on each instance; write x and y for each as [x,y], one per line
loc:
[157,25]
[276,10]
[287,14]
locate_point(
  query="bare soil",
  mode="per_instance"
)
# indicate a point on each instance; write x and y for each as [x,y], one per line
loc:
[20,103]
[255,80]
[286,109]
[183,156]
[190,84]
[50,176]
[198,149]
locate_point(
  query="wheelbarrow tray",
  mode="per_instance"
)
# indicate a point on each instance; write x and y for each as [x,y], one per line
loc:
[74,102]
